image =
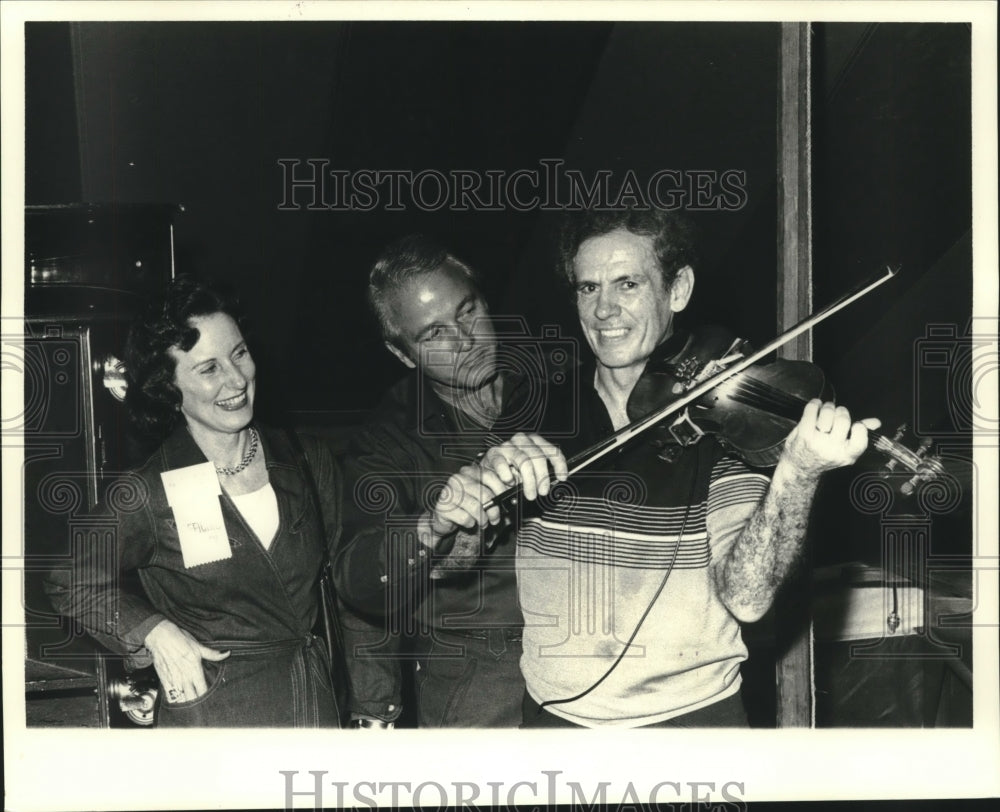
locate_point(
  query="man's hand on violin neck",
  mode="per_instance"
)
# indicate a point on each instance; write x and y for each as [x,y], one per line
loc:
[826,438]
[524,459]
[529,460]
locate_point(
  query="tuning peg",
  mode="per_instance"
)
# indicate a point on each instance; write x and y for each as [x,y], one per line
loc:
[919,464]
[892,462]
[927,469]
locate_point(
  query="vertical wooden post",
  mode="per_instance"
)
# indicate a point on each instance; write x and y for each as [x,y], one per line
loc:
[793,622]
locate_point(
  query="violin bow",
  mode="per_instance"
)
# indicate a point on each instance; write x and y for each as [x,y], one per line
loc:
[632,430]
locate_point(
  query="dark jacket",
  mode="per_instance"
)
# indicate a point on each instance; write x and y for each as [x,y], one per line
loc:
[409,447]
[260,603]
[396,466]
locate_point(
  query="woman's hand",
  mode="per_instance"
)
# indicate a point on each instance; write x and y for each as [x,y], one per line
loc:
[177,658]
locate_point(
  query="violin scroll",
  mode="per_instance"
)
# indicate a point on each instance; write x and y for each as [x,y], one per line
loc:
[923,467]
[695,369]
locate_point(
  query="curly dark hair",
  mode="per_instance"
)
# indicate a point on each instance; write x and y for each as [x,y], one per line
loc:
[672,234]
[152,398]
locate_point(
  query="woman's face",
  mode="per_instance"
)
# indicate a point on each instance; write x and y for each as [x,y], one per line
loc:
[216,377]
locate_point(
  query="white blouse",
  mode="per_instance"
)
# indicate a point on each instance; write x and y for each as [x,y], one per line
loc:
[260,509]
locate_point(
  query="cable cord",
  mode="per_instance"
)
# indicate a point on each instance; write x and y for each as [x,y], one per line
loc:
[648,609]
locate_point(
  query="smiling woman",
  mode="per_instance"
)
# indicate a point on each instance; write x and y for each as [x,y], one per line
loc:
[216,378]
[222,531]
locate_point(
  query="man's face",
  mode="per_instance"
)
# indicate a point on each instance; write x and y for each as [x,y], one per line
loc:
[624,309]
[443,328]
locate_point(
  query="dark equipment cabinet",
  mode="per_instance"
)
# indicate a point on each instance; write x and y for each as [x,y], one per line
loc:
[87,270]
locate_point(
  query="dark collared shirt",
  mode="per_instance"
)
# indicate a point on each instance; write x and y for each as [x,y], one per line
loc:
[395,469]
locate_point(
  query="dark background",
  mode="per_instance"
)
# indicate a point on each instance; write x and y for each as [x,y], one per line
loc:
[199,114]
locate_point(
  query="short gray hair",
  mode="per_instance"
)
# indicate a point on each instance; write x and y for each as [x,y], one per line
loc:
[407,258]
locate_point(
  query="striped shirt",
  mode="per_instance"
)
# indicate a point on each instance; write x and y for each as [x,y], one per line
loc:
[626,550]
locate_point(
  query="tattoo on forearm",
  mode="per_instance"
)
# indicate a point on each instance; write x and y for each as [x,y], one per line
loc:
[769,546]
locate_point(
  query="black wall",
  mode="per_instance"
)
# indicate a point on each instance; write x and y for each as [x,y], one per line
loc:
[200,114]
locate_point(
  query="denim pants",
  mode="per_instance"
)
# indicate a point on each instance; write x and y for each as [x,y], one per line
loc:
[286,684]
[470,679]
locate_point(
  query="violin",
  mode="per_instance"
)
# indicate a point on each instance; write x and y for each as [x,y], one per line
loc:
[751,413]
[751,407]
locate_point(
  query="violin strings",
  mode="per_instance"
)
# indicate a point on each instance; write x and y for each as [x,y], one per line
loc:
[765,396]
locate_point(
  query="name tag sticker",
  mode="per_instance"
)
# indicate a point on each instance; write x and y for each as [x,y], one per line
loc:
[193,495]
[194,482]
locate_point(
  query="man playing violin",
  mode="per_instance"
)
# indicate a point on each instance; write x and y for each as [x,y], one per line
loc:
[635,574]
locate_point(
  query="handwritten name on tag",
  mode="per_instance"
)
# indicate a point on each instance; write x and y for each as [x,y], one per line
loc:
[193,496]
